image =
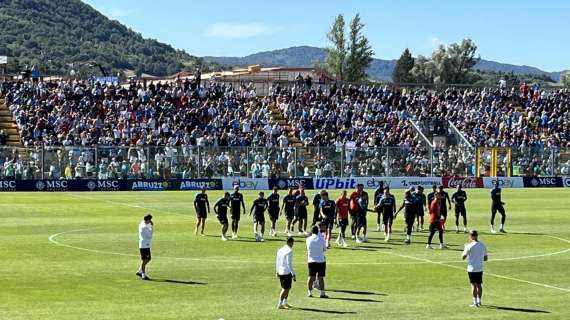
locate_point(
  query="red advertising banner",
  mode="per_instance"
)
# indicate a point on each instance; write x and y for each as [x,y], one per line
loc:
[464,182]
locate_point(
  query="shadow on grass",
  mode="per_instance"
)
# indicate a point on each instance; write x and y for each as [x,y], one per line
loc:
[322,310]
[515,309]
[364,293]
[179,281]
[355,299]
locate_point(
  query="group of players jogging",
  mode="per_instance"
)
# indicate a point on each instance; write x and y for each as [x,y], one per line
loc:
[346,211]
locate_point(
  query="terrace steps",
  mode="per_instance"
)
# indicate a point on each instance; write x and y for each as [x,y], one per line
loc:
[277,116]
[8,125]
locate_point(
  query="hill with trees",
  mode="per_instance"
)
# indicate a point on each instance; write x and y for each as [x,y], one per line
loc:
[58,36]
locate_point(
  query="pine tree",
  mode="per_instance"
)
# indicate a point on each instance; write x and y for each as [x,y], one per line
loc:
[402,71]
[360,52]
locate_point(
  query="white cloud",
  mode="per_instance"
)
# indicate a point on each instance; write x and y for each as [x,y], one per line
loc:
[434,43]
[239,30]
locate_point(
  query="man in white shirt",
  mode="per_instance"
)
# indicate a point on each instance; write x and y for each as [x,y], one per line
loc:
[145,237]
[316,247]
[284,270]
[476,253]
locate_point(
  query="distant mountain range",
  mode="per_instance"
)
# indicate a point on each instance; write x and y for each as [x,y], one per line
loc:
[305,56]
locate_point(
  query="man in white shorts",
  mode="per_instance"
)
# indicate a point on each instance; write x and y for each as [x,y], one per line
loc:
[476,253]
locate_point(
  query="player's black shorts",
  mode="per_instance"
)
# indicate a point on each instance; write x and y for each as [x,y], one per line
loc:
[317,268]
[236,214]
[475,277]
[223,218]
[286,281]
[289,214]
[420,213]
[460,211]
[259,217]
[202,213]
[497,207]
[343,222]
[387,218]
[145,253]
[361,220]
[273,213]
[433,227]
[329,223]
[443,211]
[409,217]
[302,213]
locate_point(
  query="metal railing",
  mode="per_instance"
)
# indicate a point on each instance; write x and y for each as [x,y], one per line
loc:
[152,162]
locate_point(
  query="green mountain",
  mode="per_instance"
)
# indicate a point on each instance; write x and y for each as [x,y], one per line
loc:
[60,35]
[305,56]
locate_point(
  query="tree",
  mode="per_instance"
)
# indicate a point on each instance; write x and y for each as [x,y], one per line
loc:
[360,52]
[424,70]
[448,64]
[565,78]
[402,71]
[336,54]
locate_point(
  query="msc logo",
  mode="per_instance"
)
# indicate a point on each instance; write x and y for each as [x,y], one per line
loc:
[335,183]
[103,185]
[290,183]
[8,185]
[51,185]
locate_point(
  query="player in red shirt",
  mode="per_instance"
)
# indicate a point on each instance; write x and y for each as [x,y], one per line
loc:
[435,218]
[353,210]
[342,206]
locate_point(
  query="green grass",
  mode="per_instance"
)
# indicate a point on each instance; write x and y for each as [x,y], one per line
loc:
[42,280]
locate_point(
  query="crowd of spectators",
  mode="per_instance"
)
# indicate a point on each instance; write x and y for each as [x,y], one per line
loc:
[186,129]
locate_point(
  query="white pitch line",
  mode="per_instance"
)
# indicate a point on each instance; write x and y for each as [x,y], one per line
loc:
[486,273]
[129,205]
[53,237]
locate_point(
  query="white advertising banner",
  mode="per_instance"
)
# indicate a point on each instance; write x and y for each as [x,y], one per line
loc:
[374,182]
[245,183]
[504,182]
[3,60]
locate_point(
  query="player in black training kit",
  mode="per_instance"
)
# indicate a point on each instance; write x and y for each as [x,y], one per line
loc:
[327,215]
[443,201]
[273,209]
[317,207]
[387,205]
[421,206]
[236,201]
[258,208]
[202,207]
[289,207]
[497,205]
[379,192]
[221,209]
[409,206]
[459,197]
[301,205]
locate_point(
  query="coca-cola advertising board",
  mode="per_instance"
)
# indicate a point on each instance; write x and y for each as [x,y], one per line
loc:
[464,182]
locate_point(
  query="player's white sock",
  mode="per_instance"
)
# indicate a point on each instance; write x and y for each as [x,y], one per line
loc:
[501,226]
[322,292]
[143,274]
[284,301]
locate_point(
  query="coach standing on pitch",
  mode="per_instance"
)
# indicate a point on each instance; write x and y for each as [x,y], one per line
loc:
[476,253]
[316,248]
[145,237]
[284,270]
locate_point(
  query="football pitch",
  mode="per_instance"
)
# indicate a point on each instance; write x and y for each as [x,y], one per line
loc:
[74,256]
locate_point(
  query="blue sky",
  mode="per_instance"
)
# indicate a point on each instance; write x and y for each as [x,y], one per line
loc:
[535,33]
